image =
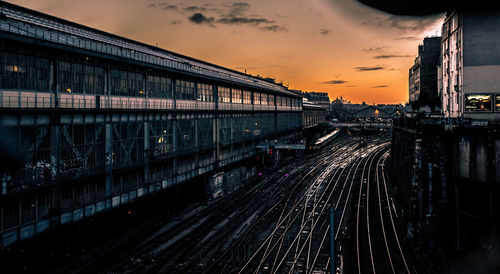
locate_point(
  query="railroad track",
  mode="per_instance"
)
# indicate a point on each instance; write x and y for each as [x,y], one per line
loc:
[290,246]
[276,225]
[378,246]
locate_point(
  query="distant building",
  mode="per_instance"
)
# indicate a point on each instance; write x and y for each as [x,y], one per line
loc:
[471,65]
[344,110]
[423,87]
[320,98]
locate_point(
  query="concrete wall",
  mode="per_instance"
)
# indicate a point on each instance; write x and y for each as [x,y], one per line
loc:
[481,39]
[482,79]
[447,183]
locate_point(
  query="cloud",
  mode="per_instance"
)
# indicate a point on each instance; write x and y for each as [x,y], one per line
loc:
[232,14]
[369,68]
[381,86]
[163,6]
[237,16]
[404,23]
[410,38]
[274,28]
[324,31]
[201,19]
[350,86]
[334,82]
[167,6]
[388,56]
[238,8]
[243,20]
[175,22]
[375,49]
[195,9]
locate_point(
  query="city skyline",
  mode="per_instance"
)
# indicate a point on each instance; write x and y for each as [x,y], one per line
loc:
[345,49]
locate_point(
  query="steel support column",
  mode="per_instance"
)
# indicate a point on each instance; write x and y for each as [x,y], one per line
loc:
[109,157]
[147,150]
[55,159]
[174,143]
[196,144]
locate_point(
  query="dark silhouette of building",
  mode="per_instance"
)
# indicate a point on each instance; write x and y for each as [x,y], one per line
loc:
[422,82]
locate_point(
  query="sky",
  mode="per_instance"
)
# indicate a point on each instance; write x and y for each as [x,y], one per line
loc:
[337,46]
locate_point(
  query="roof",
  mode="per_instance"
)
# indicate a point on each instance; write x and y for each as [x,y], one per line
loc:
[26,22]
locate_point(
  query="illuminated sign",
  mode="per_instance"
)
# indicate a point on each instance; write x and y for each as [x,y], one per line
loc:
[497,102]
[478,102]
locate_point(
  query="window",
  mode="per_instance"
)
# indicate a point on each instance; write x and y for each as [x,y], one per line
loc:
[80,78]
[126,83]
[263,99]
[236,96]
[159,87]
[24,72]
[247,97]
[184,90]
[271,100]
[224,94]
[279,101]
[205,93]
[256,98]
[478,102]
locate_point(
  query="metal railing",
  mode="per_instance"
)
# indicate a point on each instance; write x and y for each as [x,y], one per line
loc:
[87,101]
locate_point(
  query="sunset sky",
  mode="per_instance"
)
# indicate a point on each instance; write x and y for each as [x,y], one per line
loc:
[337,46]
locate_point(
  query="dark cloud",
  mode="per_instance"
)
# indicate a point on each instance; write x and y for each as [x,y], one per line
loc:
[410,38]
[281,16]
[404,23]
[237,16]
[381,86]
[163,6]
[167,6]
[195,9]
[274,28]
[388,56]
[375,49]
[368,68]
[324,31]
[175,22]
[334,82]
[232,14]
[243,20]
[201,19]
[238,8]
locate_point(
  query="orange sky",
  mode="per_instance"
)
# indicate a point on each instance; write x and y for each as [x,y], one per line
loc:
[336,46]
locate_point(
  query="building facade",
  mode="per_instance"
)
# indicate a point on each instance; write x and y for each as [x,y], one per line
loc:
[422,84]
[471,65]
[90,121]
[320,98]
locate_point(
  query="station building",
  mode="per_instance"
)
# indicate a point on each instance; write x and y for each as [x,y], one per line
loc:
[90,120]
